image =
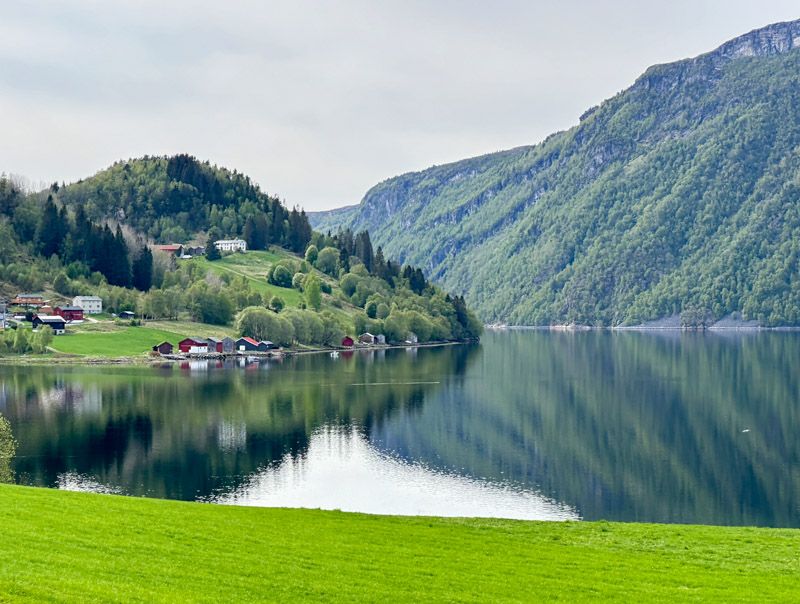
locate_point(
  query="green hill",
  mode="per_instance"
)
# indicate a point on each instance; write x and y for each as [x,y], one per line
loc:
[293,286]
[678,195]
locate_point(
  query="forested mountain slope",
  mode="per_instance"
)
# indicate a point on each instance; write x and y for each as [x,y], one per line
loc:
[678,195]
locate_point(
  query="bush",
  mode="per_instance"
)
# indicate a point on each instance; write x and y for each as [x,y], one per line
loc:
[276,304]
[8,447]
[349,283]
[262,324]
[281,276]
[328,261]
[313,292]
[311,254]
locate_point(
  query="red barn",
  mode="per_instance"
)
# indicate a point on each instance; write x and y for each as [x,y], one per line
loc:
[193,345]
[348,342]
[70,313]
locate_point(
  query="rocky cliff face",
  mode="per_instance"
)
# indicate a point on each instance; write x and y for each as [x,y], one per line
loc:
[660,200]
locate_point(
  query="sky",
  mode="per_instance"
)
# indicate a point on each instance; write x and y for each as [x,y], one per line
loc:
[319,101]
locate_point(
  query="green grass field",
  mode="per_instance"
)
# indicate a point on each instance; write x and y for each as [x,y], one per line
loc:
[124,342]
[253,266]
[59,546]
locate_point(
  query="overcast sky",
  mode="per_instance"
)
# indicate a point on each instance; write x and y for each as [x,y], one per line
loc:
[318,101]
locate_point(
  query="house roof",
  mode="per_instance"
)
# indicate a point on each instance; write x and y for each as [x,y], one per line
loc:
[195,340]
[267,342]
[248,340]
[160,344]
[29,295]
[50,319]
[213,340]
[366,333]
[89,298]
[171,247]
[70,308]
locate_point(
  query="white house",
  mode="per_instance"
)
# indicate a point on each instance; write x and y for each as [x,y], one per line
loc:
[231,245]
[91,305]
[2,315]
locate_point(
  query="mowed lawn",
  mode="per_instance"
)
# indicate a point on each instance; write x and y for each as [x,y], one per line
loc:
[254,267]
[124,342]
[59,546]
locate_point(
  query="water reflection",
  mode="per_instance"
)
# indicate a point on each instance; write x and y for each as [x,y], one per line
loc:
[624,426]
[341,470]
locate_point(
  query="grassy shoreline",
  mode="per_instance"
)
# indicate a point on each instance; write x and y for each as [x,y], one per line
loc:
[61,358]
[60,546]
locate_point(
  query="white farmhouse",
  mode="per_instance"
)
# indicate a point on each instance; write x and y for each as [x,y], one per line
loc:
[231,245]
[91,305]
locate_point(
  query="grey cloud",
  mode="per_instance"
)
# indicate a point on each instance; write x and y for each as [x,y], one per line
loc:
[318,101]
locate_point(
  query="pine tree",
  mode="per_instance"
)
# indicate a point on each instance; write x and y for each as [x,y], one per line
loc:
[143,270]
[380,264]
[50,232]
[249,233]
[262,231]
[119,263]
[212,252]
[363,249]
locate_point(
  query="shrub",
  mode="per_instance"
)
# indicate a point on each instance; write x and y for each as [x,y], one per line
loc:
[262,324]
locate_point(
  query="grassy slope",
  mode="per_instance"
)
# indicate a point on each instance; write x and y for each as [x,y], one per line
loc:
[127,341]
[254,266]
[73,546]
[110,340]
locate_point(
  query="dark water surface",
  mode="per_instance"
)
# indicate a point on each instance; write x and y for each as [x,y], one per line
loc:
[656,427]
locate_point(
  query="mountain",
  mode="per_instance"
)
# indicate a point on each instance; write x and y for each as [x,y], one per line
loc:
[678,195]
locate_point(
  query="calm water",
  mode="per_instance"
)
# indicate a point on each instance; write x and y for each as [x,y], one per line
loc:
[621,426]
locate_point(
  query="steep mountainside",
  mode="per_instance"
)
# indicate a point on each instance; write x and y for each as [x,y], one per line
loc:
[678,195]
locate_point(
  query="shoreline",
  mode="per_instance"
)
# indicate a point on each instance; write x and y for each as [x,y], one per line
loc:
[577,328]
[144,360]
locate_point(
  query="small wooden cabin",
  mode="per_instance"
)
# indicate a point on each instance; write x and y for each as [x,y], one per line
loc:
[163,348]
[348,342]
[366,338]
[193,346]
[246,345]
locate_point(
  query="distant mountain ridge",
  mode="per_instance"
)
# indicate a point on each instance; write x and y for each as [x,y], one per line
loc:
[678,195]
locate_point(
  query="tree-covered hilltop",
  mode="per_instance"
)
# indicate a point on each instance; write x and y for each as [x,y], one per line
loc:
[170,199]
[677,196]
